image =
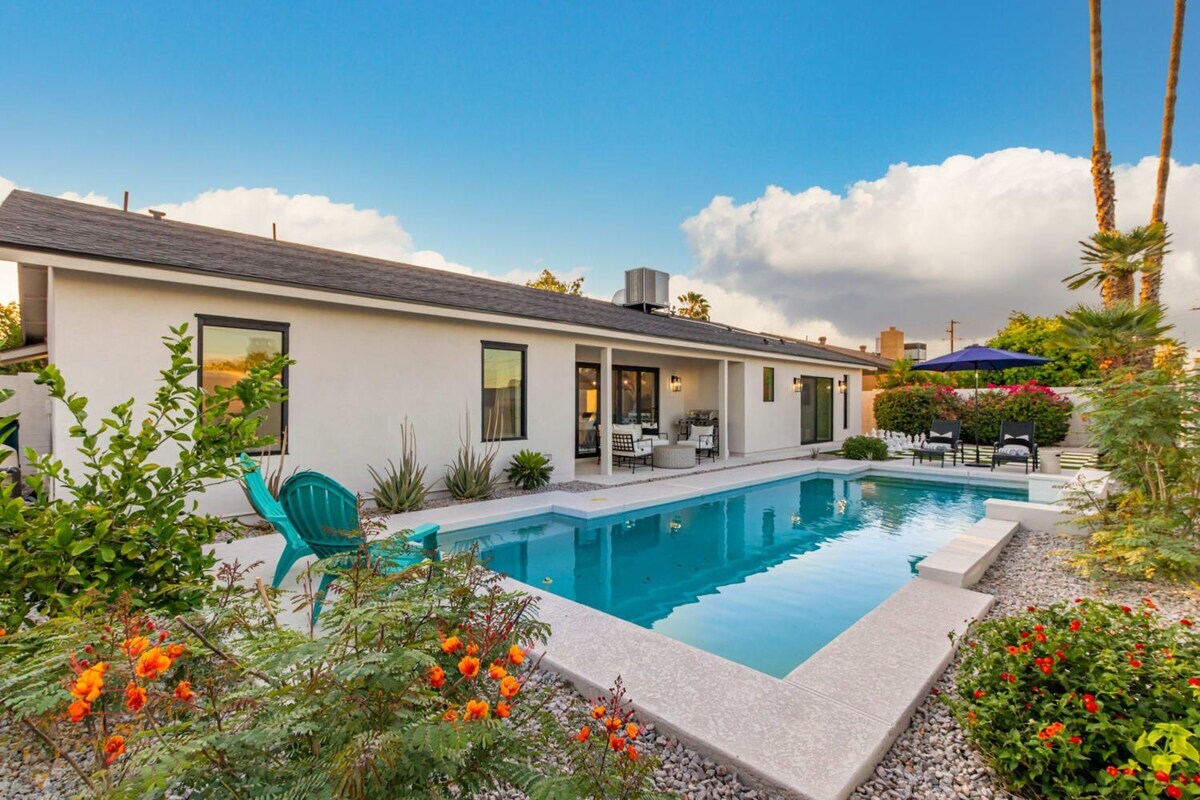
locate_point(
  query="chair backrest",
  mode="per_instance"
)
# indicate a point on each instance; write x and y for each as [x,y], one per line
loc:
[947,427]
[324,512]
[1016,433]
[261,499]
[701,434]
[622,442]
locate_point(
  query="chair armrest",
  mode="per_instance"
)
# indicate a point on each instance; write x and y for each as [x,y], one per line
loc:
[421,532]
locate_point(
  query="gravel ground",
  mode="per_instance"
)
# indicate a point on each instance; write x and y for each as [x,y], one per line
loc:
[931,759]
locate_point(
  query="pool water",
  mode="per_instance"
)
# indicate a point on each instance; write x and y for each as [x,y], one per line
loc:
[764,576]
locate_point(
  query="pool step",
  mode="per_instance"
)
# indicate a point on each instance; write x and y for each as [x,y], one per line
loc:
[962,561]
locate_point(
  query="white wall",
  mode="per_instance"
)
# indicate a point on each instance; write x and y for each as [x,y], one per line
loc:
[776,425]
[30,401]
[358,373]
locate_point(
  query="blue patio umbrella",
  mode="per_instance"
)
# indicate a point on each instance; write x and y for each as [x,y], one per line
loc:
[976,357]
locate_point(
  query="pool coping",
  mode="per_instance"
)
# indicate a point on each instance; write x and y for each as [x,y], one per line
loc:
[818,732]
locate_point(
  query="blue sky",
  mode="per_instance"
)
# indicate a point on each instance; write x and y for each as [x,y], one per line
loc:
[519,135]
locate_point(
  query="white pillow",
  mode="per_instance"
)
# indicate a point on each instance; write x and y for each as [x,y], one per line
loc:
[935,446]
[1013,450]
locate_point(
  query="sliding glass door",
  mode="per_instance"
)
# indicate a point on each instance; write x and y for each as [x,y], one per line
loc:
[816,410]
[587,408]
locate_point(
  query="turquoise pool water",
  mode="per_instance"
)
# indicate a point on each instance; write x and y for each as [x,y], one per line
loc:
[764,576]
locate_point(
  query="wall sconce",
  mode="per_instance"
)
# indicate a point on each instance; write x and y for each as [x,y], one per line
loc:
[842,386]
[676,383]
[797,384]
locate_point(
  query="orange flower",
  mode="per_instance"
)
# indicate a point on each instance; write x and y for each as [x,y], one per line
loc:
[153,663]
[496,672]
[631,752]
[184,691]
[78,710]
[3,633]
[174,651]
[450,716]
[135,646]
[476,709]
[598,712]
[584,733]
[509,687]
[472,649]
[114,747]
[515,655]
[135,697]
[612,723]
[503,709]
[616,743]
[87,687]
[631,730]
[469,666]
[437,677]
[451,644]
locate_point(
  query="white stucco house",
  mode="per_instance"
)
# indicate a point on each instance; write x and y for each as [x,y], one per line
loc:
[375,341]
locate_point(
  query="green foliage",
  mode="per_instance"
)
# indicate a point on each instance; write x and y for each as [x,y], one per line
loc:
[864,448]
[469,476]
[401,488]
[530,470]
[11,336]
[1039,336]
[393,696]
[1147,428]
[1064,701]
[901,373]
[1049,412]
[550,282]
[693,305]
[1117,255]
[1112,336]
[126,521]
[912,409]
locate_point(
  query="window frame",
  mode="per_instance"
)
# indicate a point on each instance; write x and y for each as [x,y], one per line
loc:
[283,328]
[523,349]
[768,387]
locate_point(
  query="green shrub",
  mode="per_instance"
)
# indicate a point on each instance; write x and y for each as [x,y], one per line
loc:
[912,409]
[401,488]
[530,470]
[1049,412]
[126,522]
[1083,699]
[864,448]
[469,476]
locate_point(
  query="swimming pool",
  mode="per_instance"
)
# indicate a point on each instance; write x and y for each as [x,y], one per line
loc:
[764,576]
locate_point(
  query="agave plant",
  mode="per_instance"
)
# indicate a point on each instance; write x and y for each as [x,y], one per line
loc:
[401,488]
[530,469]
[469,476]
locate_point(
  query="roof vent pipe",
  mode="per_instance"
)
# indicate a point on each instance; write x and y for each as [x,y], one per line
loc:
[126,208]
[274,233]
[821,339]
[158,215]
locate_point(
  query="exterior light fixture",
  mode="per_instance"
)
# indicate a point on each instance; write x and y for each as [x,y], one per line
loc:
[676,383]
[797,384]
[842,386]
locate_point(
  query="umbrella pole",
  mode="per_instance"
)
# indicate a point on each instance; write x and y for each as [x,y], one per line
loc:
[978,463]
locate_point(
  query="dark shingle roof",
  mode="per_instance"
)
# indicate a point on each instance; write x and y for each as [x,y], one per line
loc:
[44,223]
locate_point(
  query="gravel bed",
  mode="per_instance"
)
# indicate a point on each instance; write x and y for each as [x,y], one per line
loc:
[931,759]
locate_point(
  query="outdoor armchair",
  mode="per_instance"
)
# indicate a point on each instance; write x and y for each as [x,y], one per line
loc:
[1017,444]
[943,438]
[267,507]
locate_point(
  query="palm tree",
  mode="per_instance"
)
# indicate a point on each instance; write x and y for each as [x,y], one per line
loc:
[693,305]
[1152,280]
[1113,335]
[1116,256]
[1102,177]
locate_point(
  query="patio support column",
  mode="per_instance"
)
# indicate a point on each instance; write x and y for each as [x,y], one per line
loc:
[723,408]
[606,411]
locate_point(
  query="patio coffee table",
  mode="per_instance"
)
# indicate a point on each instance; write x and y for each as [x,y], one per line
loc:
[674,456]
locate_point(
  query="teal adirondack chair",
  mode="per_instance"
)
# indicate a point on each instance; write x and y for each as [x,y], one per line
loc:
[325,514]
[267,507]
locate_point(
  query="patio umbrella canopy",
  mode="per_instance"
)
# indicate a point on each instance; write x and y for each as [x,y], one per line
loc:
[976,357]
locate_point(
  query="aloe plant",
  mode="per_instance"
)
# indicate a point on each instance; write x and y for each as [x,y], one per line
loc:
[469,476]
[401,488]
[529,469]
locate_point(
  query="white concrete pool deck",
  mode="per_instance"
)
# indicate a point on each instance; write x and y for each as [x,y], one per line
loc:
[815,734]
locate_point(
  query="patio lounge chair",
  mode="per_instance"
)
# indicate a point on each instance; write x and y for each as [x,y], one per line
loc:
[626,450]
[325,514]
[267,507]
[943,438]
[1017,445]
[704,439]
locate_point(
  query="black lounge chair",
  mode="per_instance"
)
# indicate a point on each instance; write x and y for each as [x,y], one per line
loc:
[942,432]
[1017,445]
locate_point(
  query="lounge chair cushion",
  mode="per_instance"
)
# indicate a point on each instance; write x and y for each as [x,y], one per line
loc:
[932,445]
[1019,450]
[1022,440]
[702,435]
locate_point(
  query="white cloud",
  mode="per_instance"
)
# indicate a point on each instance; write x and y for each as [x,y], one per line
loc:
[970,238]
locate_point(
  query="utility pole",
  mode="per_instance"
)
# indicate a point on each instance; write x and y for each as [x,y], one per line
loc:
[950,331]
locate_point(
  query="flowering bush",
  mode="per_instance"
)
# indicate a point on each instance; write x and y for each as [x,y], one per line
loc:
[911,409]
[1085,699]
[1049,411]
[415,682]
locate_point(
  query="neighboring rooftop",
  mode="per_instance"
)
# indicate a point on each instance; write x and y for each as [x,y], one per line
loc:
[50,224]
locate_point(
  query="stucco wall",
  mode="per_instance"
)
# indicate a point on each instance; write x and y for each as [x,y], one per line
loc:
[776,425]
[358,373]
[32,404]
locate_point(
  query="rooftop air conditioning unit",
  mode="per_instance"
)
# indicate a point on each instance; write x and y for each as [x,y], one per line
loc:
[647,289]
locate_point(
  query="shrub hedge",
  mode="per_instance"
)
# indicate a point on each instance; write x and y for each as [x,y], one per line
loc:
[911,409]
[864,448]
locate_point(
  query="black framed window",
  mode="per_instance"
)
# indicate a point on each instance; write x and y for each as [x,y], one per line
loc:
[504,391]
[768,384]
[635,396]
[229,347]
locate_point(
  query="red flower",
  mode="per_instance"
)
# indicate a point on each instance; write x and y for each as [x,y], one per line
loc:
[1174,792]
[616,743]
[1127,609]
[1113,771]
[1075,740]
[1133,662]
[1075,625]
[979,693]
[135,697]
[1089,704]
[114,747]
[1193,681]
[1162,777]
[502,709]
[1185,622]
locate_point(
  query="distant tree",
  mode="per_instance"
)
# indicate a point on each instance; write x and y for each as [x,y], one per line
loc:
[693,305]
[11,336]
[901,373]
[1041,336]
[550,282]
